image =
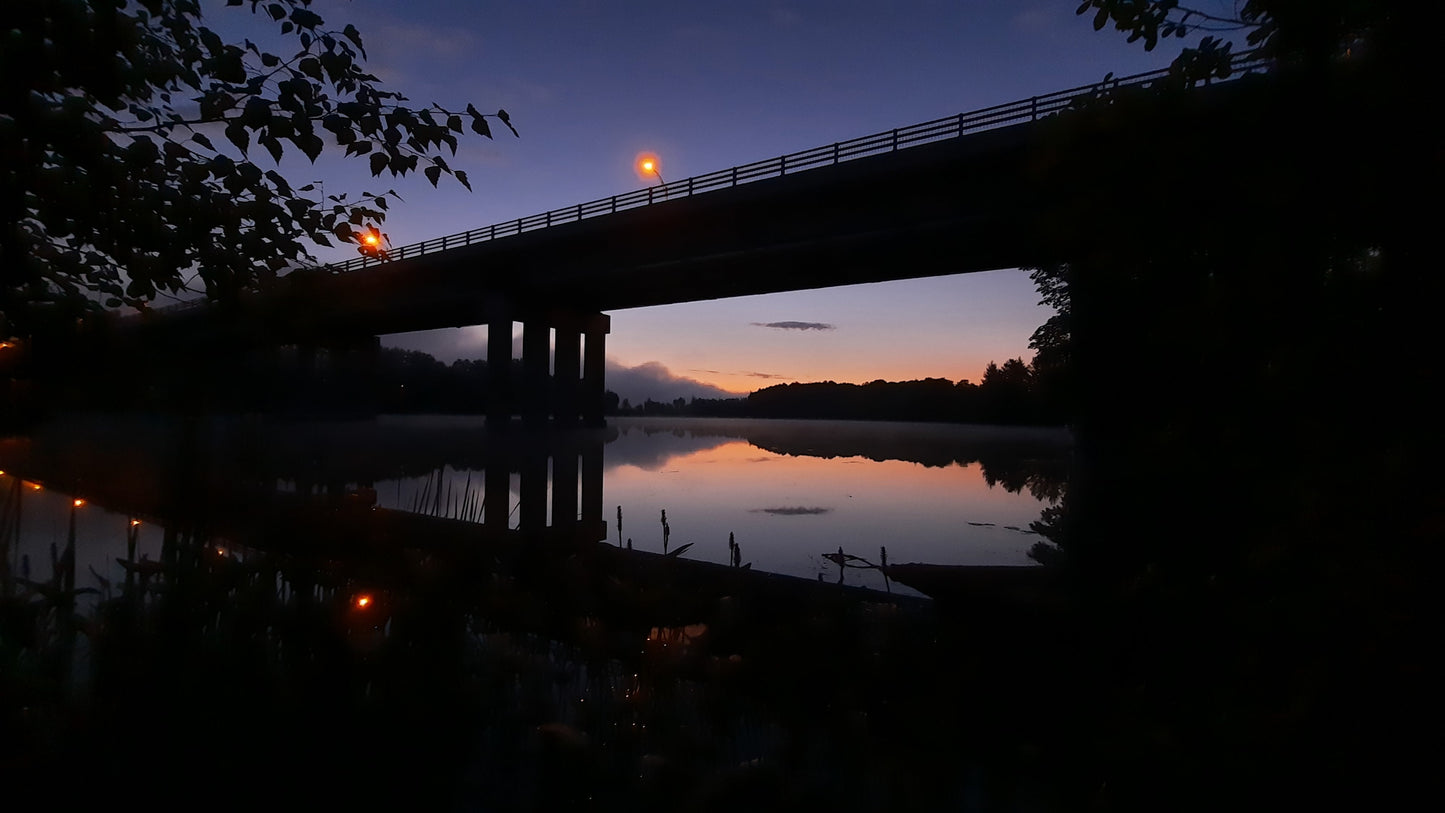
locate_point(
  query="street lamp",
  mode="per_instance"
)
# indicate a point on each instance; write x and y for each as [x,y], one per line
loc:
[650,165]
[373,244]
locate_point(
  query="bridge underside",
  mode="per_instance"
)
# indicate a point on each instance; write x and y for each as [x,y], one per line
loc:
[997,199]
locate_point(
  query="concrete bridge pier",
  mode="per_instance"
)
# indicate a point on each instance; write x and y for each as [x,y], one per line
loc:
[566,372]
[354,361]
[499,367]
[563,368]
[578,373]
[594,385]
[536,371]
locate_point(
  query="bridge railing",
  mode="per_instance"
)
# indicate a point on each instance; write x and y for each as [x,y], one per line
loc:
[988,118]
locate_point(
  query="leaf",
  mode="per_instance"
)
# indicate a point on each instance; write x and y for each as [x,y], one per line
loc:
[311,144]
[378,163]
[272,145]
[1101,18]
[352,34]
[305,19]
[462,176]
[479,126]
[238,135]
[202,140]
[507,120]
[276,11]
[256,113]
[433,173]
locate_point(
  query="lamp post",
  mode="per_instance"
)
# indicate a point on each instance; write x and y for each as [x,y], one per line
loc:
[650,165]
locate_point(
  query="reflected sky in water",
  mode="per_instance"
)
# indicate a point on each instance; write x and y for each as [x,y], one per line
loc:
[718,477]
[786,510]
[788,491]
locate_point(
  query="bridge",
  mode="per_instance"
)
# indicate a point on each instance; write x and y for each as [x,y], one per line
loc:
[955,195]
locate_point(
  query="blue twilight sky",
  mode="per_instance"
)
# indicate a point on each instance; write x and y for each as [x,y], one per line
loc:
[591,84]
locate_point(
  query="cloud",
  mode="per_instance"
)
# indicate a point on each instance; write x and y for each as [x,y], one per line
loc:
[636,384]
[763,375]
[653,380]
[796,325]
[795,511]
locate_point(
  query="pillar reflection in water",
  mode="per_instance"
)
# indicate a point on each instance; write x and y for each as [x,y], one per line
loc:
[560,470]
[274,482]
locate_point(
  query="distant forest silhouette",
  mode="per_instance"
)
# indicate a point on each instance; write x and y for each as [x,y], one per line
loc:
[411,382]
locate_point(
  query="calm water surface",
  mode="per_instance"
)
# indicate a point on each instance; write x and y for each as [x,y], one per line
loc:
[792,490]
[788,491]
[239,603]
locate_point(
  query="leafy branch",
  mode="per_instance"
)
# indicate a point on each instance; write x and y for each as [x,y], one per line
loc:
[119,124]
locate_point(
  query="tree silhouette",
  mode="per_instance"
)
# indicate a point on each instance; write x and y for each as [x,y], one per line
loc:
[1306,34]
[129,132]
[1218,509]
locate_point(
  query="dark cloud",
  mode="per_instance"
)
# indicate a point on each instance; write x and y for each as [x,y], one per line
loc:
[795,511]
[653,380]
[764,375]
[637,384]
[796,325]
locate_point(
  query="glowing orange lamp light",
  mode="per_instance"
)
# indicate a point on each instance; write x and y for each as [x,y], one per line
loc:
[649,165]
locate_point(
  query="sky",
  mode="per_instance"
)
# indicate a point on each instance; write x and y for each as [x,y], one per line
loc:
[590,85]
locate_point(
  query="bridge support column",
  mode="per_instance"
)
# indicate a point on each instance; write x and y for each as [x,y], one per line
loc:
[353,366]
[566,372]
[536,361]
[594,385]
[499,370]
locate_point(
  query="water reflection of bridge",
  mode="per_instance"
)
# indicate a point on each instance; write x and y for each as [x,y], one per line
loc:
[225,477]
[622,655]
[313,488]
